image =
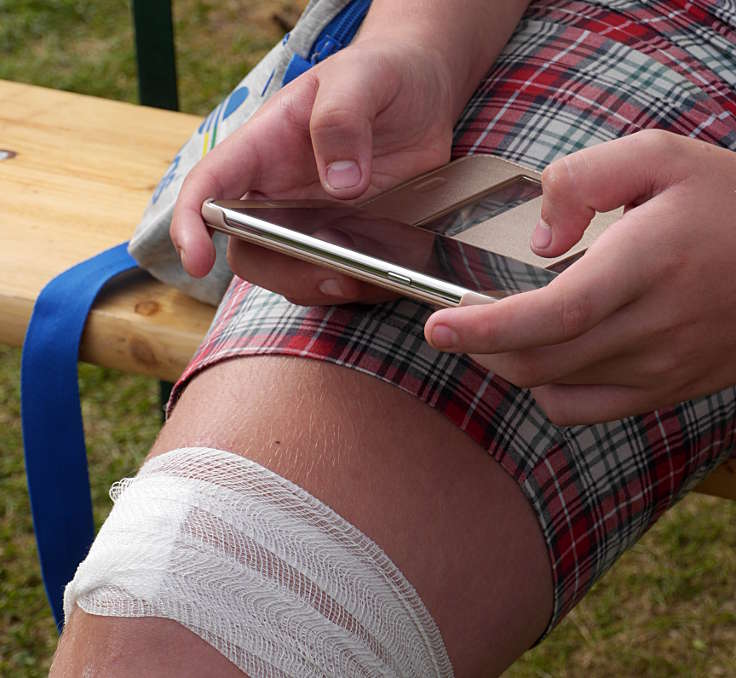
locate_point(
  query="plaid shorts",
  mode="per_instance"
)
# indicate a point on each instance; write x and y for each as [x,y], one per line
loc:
[574,74]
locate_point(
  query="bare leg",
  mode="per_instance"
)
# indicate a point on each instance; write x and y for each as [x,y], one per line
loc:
[447,515]
[114,647]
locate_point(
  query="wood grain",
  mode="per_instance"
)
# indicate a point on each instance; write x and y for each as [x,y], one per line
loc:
[82,175]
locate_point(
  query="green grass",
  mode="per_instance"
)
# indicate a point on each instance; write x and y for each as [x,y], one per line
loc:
[668,608]
[87,46]
[121,414]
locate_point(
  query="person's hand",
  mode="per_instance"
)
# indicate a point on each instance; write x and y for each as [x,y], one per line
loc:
[647,317]
[376,113]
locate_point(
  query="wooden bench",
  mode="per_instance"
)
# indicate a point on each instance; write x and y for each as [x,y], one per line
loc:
[77,177]
[81,175]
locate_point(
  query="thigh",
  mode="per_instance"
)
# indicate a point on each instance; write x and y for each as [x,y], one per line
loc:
[456,525]
[450,518]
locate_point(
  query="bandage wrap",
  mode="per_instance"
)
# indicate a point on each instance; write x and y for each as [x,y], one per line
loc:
[261,570]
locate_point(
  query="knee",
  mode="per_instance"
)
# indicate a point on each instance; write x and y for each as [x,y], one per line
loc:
[261,571]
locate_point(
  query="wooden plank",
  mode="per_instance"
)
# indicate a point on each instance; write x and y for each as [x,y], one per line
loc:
[82,175]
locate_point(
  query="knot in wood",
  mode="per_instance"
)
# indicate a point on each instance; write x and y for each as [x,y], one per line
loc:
[147,307]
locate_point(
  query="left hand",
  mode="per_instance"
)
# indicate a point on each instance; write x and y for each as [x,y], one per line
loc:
[647,318]
[376,113]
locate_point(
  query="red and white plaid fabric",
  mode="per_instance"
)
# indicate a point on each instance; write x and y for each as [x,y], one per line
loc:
[574,74]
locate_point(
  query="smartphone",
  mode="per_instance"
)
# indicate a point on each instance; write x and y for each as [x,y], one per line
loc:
[458,235]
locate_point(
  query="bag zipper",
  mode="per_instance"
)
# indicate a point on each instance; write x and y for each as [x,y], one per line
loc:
[340,31]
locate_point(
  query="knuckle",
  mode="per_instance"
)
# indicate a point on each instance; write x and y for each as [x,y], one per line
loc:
[652,138]
[332,120]
[478,333]
[662,365]
[674,363]
[523,371]
[575,312]
[661,161]
[295,101]
[484,331]
[523,376]
[565,205]
[657,144]
[569,194]
[557,178]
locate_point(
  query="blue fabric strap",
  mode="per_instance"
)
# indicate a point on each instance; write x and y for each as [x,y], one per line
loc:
[53,437]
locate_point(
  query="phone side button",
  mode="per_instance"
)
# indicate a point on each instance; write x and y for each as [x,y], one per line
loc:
[397,277]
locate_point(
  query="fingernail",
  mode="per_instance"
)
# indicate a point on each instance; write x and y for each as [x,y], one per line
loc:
[180,252]
[343,174]
[331,288]
[444,337]
[542,236]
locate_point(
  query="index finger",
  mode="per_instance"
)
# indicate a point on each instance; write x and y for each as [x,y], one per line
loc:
[622,172]
[611,274]
[268,152]
[222,173]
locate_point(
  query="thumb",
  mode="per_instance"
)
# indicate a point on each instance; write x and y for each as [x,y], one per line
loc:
[627,171]
[341,128]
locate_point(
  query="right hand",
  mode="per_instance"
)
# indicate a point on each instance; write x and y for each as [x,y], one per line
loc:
[375,114]
[645,319]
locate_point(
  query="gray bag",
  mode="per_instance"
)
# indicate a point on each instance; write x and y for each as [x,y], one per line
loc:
[324,27]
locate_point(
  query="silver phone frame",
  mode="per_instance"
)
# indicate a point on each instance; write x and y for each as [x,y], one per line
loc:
[221,216]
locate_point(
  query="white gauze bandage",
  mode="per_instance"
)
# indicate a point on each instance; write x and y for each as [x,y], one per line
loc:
[268,575]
